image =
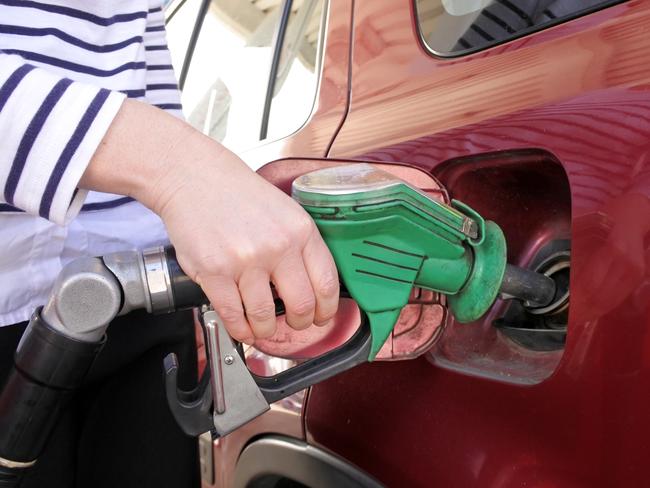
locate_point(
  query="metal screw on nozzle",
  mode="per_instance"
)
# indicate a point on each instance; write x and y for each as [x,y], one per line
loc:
[228,359]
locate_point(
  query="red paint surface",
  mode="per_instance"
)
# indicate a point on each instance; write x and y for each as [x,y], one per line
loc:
[581,93]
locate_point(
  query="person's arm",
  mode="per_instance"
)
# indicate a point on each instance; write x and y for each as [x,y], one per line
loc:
[50,127]
[233,231]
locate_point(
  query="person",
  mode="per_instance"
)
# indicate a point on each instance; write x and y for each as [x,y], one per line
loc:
[95,158]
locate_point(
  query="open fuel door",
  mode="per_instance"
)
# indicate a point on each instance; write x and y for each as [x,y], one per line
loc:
[420,322]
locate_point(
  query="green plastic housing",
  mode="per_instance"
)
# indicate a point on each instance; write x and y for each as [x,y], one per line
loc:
[387,237]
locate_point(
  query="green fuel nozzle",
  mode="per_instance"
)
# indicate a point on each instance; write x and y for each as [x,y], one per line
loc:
[387,237]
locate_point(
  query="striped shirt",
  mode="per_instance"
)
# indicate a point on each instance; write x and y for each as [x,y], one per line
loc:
[65,68]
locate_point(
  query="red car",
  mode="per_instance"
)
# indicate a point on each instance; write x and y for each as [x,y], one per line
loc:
[535,113]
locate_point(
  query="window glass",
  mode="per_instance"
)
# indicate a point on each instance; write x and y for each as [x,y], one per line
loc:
[298,69]
[227,79]
[225,93]
[181,16]
[461,26]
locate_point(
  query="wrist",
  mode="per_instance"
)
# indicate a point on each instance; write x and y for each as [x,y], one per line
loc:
[180,156]
[148,155]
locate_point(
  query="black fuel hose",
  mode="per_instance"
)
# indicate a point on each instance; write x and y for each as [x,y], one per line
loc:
[48,368]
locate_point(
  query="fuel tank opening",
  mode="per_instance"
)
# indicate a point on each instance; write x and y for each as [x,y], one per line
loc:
[556,267]
[527,193]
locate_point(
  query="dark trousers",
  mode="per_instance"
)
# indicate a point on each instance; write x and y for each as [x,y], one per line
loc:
[118,432]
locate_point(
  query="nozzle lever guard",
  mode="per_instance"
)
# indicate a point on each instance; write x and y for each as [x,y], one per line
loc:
[229,395]
[191,409]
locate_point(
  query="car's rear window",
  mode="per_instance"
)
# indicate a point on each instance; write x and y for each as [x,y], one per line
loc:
[455,27]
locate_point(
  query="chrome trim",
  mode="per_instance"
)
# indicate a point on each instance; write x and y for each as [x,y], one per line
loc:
[161,299]
[206,458]
[277,457]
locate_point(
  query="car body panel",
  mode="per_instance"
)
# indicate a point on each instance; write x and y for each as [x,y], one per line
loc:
[580,92]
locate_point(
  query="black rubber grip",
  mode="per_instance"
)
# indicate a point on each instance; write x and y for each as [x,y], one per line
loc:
[308,373]
[186,293]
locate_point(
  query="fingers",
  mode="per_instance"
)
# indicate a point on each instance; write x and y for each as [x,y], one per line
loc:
[292,284]
[256,295]
[307,283]
[322,273]
[225,299]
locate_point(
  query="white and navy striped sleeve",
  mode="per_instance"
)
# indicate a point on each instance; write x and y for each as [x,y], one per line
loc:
[50,127]
[162,87]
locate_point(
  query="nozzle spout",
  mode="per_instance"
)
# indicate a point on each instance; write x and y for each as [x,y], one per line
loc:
[535,289]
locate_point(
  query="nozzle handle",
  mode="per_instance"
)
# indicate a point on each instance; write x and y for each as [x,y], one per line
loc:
[186,293]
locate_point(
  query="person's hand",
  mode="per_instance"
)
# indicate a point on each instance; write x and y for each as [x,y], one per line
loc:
[234,233]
